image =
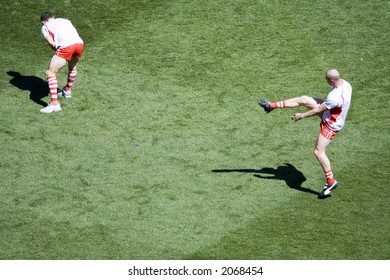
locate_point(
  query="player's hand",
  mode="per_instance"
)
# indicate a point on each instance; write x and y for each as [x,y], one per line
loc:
[297,117]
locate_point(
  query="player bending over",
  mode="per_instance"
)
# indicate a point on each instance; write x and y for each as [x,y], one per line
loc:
[62,37]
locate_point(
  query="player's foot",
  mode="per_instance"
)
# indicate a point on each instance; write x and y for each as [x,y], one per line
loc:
[66,93]
[265,104]
[50,108]
[328,189]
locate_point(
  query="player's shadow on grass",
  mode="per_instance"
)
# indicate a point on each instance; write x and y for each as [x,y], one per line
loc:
[287,172]
[38,88]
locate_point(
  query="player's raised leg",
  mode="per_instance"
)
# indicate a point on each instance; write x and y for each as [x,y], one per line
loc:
[305,101]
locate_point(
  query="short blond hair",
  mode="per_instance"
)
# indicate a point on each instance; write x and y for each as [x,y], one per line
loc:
[332,74]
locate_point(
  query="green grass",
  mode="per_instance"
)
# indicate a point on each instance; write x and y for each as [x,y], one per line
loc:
[159,152]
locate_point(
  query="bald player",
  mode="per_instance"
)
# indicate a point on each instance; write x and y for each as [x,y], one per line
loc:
[333,111]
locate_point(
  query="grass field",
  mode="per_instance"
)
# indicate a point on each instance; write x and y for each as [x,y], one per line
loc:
[162,151]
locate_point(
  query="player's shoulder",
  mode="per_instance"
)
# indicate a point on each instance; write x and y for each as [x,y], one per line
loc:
[347,85]
[58,21]
[62,20]
[346,82]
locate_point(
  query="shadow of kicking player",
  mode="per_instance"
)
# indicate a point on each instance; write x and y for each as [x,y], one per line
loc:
[287,172]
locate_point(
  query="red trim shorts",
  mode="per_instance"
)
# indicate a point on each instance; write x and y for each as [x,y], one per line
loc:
[71,51]
[327,132]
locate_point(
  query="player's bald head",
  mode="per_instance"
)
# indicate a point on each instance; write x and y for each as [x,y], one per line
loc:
[332,74]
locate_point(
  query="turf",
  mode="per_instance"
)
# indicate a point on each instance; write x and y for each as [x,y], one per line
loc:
[163,153]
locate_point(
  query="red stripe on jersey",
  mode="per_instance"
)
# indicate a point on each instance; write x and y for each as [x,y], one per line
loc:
[336,112]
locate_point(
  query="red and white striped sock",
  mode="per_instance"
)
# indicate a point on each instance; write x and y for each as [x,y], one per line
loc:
[53,87]
[329,177]
[71,78]
[279,104]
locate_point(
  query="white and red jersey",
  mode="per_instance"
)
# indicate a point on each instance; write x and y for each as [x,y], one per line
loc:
[337,103]
[62,31]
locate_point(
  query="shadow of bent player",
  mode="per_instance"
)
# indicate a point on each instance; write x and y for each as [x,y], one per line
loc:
[38,88]
[287,172]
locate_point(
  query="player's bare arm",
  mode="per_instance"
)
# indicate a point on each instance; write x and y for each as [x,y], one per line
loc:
[316,111]
[51,42]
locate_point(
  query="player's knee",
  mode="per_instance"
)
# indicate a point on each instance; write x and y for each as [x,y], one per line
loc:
[49,73]
[306,99]
[317,153]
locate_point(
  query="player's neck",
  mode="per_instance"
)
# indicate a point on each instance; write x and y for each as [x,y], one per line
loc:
[338,83]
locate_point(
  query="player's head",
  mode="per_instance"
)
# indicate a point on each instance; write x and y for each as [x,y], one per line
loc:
[46,16]
[332,76]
